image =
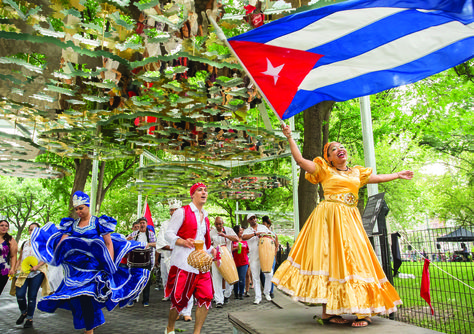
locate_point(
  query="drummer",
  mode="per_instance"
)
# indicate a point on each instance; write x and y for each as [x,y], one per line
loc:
[221,236]
[268,224]
[147,236]
[252,235]
[162,245]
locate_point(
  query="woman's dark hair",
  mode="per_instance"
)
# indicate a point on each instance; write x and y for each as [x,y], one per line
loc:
[236,229]
[37,225]
[266,219]
[7,237]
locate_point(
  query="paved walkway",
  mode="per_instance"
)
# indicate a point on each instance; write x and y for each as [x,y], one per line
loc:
[300,319]
[136,320]
[278,317]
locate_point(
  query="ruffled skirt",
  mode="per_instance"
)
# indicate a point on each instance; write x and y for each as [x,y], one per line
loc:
[332,262]
[89,271]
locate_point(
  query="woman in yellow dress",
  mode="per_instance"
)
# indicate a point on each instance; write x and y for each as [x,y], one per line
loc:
[332,261]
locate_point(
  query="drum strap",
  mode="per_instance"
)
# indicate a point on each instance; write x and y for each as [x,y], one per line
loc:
[147,236]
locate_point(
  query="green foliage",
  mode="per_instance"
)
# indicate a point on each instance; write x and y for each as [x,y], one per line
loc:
[450,298]
[284,239]
[25,201]
[56,23]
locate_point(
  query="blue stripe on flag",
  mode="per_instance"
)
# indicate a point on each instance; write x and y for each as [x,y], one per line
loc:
[382,80]
[298,21]
[369,37]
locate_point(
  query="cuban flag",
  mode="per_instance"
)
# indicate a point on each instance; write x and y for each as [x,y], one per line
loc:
[354,48]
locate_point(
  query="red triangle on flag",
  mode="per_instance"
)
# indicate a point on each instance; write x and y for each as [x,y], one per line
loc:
[277,71]
[147,215]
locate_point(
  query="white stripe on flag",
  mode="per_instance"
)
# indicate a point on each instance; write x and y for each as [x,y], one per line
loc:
[332,27]
[387,56]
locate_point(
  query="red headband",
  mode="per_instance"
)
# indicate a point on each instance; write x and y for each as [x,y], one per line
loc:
[325,151]
[195,186]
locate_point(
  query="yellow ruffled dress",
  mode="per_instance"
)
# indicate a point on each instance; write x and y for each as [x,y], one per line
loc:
[332,261]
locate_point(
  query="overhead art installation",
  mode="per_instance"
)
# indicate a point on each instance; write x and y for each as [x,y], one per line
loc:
[110,80]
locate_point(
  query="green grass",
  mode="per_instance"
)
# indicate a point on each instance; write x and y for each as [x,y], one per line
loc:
[452,301]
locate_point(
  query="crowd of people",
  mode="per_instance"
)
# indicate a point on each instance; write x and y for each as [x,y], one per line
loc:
[331,263]
[97,268]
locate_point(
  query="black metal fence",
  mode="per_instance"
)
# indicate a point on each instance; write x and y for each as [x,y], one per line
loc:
[451,279]
[282,255]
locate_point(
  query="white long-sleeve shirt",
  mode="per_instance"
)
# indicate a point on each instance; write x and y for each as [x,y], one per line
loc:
[219,241]
[253,242]
[179,254]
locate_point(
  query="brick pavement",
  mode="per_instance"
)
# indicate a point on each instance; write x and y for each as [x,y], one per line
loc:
[136,320]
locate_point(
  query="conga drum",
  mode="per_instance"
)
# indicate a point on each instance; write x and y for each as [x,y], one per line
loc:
[266,252]
[199,259]
[139,258]
[227,268]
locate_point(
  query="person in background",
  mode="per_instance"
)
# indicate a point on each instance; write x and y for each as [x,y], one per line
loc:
[162,245]
[221,236]
[252,235]
[135,227]
[29,281]
[8,254]
[240,251]
[146,236]
[268,224]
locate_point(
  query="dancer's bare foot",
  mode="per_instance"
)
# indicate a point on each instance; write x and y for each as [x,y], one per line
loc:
[364,322]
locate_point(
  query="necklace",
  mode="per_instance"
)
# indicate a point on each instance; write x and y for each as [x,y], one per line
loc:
[343,170]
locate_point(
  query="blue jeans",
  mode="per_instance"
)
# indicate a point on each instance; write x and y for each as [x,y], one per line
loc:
[239,287]
[32,285]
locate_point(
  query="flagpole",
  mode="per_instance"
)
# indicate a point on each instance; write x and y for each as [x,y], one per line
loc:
[144,206]
[139,200]
[221,36]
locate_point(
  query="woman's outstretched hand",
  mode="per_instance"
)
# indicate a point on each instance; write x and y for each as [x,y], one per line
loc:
[286,130]
[405,174]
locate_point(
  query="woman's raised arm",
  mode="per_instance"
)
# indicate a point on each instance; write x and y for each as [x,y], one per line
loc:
[307,165]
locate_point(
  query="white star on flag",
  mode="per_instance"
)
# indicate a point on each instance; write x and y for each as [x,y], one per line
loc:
[273,71]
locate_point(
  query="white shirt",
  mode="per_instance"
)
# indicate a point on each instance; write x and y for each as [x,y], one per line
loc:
[218,240]
[28,251]
[161,241]
[179,254]
[253,242]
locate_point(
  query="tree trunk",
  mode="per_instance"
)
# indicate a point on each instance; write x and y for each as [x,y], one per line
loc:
[315,136]
[100,187]
[83,169]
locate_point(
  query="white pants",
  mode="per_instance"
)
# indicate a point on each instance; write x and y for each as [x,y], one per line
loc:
[187,310]
[217,284]
[255,269]
[165,269]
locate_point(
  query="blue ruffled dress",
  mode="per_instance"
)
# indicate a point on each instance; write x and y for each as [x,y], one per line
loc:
[92,279]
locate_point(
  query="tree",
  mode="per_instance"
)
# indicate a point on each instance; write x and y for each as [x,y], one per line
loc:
[316,131]
[25,201]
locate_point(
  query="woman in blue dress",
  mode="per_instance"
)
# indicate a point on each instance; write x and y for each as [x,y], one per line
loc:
[90,255]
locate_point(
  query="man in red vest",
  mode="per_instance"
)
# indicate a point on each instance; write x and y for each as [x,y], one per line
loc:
[187,224]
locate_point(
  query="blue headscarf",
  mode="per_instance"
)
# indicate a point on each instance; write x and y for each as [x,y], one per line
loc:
[80,198]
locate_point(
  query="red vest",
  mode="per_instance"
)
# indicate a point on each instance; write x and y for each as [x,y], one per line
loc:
[189,227]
